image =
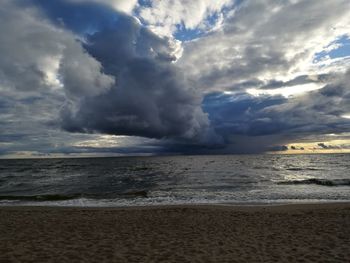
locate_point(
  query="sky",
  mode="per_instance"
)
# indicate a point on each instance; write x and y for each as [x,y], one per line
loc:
[154,77]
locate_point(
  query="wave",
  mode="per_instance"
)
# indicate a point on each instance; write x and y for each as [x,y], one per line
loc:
[39,198]
[59,197]
[316,181]
[303,169]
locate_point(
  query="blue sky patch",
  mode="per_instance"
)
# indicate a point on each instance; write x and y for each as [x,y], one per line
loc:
[146,3]
[83,19]
[184,34]
[342,51]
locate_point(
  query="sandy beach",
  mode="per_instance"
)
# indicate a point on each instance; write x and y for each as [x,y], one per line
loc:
[288,233]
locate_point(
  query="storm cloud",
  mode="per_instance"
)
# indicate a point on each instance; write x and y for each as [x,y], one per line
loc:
[151,97]
[230,77]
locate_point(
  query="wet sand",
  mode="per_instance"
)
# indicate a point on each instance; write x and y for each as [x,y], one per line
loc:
[289,233]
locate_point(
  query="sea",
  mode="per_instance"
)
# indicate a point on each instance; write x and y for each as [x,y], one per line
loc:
[176,180]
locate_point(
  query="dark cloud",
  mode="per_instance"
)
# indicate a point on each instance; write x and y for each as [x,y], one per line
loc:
[149,101]
[115,77]
[319,112]
[310,114]
[328,147]
[294,148]
[242,114]
[279,148]
[151,98]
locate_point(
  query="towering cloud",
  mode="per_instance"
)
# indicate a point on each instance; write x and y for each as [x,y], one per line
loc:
[119,79]
[151,97]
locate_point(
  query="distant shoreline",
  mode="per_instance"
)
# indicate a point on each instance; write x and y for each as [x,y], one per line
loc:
[205,233]
[167,155]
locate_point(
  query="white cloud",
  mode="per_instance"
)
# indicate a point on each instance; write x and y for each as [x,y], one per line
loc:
[165,16]
[58,60]
[296,90]
[126,6]
[267,40]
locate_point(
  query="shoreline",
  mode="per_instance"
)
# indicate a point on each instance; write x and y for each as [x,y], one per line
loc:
[293,207]
[190,233]
[179,205]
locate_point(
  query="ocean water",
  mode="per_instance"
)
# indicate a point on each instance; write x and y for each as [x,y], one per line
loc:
[134,181]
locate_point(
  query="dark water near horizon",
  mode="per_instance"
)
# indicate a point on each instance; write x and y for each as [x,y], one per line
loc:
[129,181]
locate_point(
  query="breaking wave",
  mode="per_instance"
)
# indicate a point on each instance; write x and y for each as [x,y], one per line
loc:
[316,181]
